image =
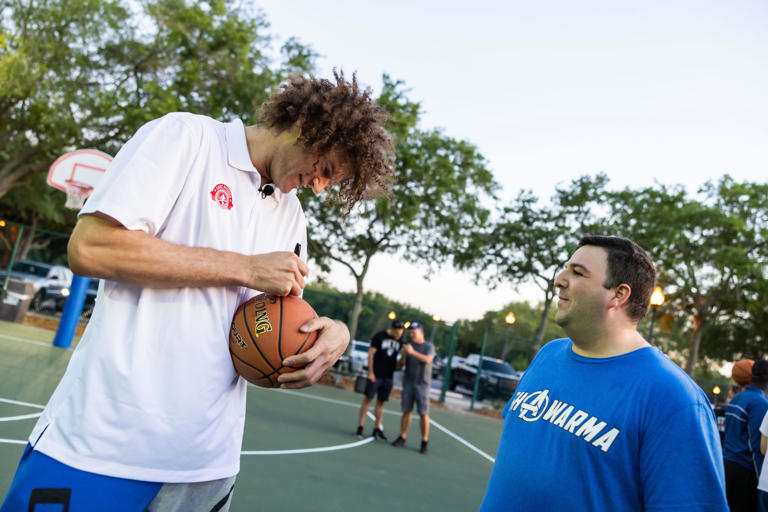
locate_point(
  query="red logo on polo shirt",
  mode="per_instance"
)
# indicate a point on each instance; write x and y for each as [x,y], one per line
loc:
[222,196]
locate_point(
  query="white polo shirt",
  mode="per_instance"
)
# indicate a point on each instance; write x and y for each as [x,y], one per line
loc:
[150,393]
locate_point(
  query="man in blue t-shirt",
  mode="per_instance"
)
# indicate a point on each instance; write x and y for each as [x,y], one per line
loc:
[741,447]
[603,421]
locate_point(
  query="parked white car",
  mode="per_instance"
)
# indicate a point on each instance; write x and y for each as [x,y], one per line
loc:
[358,356]
[51,282]
[40,274]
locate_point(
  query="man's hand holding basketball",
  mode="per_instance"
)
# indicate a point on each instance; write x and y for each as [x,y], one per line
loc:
[278,273]
[330,345]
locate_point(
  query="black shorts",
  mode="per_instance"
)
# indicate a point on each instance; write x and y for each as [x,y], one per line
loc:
[381,388]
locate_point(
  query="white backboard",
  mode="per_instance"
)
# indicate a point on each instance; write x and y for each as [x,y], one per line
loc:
[84,166]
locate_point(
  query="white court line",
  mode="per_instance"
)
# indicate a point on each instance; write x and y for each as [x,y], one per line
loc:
[9,401]
[13,441]
[22,417]
[462,441]
[282,452]
[431,421]
[307,450]
[24,340]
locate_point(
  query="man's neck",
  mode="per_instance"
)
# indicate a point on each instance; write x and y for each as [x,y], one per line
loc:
[601,343]
[261,143]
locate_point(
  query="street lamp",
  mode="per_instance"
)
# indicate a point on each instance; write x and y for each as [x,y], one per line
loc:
[716,391]
[510,319]
[435,320]
[392,315]
[657,299]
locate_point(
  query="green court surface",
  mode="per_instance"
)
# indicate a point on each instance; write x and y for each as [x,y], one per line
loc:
[299,449]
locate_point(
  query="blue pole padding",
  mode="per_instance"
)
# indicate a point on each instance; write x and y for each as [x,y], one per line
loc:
[71,314]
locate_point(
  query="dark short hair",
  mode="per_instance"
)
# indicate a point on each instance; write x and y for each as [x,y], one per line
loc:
[628,263]
[760,373]
[339,116]
[397,324]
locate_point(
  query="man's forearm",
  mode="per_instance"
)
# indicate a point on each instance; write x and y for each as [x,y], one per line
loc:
[102,248]
[423,357]
[99,248]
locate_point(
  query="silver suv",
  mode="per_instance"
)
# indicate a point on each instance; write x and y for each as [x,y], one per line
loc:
[51,282]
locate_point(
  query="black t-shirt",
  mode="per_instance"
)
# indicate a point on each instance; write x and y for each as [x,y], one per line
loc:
[385,358]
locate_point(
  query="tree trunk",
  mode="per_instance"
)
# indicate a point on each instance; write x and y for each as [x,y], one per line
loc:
[541,329]
[505,347]
[693,354]
[10,174]
[26,242]
[354,315]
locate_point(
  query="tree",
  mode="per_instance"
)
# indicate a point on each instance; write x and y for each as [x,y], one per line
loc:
[88,73]
[49,56]
[520,335]
[710,251]
[442,185]
[530,242]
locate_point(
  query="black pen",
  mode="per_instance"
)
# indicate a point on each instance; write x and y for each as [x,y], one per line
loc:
[297,250]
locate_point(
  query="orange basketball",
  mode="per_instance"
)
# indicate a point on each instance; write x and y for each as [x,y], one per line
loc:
[265,330]
[742,371]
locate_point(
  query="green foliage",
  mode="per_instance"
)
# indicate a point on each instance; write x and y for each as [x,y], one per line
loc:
[89,73]
[711,255]
[327,301]
[531,241]
[442,188]
[519,337]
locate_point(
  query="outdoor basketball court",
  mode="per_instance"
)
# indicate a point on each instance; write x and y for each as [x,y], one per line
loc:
[299,449]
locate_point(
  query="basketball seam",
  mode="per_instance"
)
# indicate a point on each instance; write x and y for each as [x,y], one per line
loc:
[280,334]
[309,334]
[246,363]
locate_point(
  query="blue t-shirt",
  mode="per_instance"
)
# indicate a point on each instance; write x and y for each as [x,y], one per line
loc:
[625,433]
[743,415]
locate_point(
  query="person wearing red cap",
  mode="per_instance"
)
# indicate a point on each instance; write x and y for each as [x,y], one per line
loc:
[741,448]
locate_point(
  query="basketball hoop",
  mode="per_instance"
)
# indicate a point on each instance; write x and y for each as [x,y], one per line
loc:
[77,193]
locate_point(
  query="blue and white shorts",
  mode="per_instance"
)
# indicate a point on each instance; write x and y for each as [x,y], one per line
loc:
[43,483]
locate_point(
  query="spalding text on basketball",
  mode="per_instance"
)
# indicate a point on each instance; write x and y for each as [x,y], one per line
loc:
[261,320]
[237,337]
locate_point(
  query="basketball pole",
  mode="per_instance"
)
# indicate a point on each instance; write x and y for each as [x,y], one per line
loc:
[71,314]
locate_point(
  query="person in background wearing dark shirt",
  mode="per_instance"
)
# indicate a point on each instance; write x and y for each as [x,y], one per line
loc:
[382,361]
[720,409]
[741,448]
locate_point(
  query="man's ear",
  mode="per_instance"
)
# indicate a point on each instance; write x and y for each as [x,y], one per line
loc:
[621,296]
[295,132]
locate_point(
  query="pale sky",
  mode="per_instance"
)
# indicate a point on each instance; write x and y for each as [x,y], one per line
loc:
[673,91]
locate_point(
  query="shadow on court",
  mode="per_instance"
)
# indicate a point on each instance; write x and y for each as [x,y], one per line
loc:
[299,448]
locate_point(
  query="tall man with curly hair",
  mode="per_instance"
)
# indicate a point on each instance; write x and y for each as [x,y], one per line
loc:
[193,217]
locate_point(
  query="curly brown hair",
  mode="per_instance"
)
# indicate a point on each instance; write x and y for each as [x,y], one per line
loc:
[337,117]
